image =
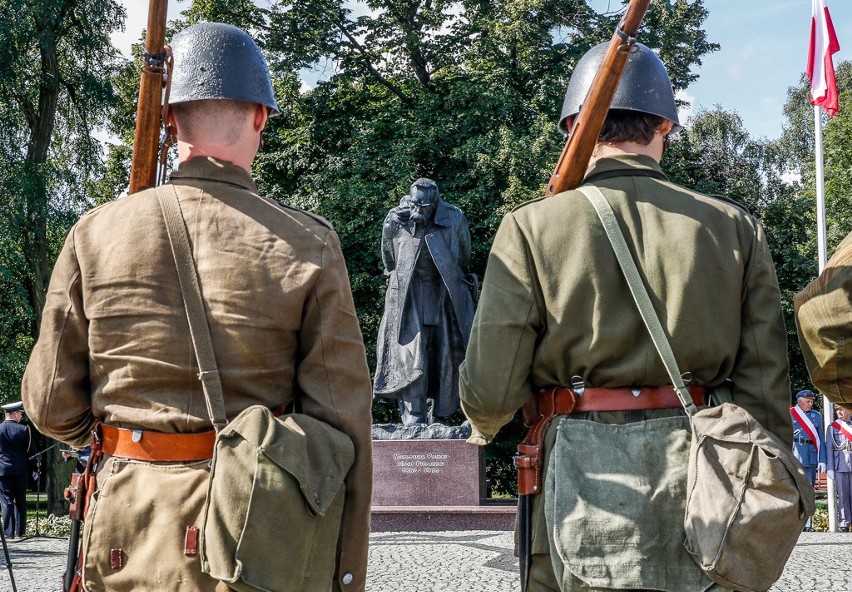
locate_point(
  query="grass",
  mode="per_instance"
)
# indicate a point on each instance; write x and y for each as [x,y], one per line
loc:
[51,526]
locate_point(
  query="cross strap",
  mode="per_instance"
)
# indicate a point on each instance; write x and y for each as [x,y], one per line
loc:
[199,328]
[639,292]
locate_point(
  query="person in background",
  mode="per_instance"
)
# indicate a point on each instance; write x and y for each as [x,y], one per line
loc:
[808,441]
[15,444]
[838,441]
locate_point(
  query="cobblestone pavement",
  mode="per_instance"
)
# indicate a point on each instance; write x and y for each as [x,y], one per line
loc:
[471,561]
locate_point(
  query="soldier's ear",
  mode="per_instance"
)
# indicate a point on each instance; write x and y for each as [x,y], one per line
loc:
[665,128]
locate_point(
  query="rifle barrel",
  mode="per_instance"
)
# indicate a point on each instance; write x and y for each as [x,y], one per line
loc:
[146,142]
[587,125]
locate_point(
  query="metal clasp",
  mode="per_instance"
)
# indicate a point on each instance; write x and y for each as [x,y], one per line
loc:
[578,386]
[636,390]
[137,436]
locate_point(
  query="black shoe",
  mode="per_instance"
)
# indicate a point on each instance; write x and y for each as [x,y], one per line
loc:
[808,529]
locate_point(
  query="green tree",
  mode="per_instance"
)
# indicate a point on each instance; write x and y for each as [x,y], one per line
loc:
[54,88]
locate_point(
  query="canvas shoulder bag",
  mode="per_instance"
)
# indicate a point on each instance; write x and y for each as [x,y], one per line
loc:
[747,496]
[275,497]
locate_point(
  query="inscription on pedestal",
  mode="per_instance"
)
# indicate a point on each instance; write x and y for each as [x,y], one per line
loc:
[427,473]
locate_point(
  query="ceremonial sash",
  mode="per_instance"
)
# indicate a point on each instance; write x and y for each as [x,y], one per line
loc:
[805,422]
[844,428]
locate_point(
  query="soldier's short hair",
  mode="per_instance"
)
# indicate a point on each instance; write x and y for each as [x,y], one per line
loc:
[622,125]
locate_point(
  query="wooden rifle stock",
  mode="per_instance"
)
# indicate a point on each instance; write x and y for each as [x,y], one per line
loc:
[146,143]
[588,123]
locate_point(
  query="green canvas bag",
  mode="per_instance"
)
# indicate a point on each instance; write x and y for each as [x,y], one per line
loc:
[274,502]
[276,492]
[747,496]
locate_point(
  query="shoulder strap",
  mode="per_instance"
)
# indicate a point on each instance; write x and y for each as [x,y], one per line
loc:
[199,328]
[639,292]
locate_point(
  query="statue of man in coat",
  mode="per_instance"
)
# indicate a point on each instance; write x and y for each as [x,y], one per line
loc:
[428,306]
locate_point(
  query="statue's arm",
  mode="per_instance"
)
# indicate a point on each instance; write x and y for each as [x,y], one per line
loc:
[389,230]
[464,241]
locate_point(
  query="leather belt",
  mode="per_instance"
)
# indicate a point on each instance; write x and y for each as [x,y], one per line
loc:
[567,400]
[162,447]
[157,446]
[803,440]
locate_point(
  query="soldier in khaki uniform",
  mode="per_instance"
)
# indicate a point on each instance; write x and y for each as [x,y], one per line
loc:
[555,309]
[115,346]
[824,322]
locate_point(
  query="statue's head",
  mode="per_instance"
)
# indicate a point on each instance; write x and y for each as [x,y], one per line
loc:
[423,199]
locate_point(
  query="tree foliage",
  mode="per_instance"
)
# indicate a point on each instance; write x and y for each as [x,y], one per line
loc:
[54,90]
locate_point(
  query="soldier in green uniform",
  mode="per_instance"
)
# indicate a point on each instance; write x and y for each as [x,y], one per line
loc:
[555,309]
[115,346]
[824,322]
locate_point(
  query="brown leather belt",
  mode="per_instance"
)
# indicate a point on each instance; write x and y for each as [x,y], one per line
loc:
[551,401]
[160,446]
[157,446]
[567,400]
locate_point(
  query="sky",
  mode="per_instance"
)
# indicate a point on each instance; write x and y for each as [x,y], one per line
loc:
[764,51]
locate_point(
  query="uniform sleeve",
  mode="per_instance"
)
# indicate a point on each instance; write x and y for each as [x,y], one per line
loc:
[823,440]
[829,454]
[761,372]
[335,386]
[495,376]
[55,388]
[824,323]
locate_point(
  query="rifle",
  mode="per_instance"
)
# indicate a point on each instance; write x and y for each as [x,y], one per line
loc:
[149,110]
[79,496]
[569,174]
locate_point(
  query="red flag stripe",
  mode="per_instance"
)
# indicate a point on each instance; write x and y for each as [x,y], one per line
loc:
[820,69]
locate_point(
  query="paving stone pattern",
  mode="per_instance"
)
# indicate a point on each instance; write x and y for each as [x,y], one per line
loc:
[470,561]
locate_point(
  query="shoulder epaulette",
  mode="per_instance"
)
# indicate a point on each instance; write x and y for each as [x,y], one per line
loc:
[316,217]
[529,202]
[730,200]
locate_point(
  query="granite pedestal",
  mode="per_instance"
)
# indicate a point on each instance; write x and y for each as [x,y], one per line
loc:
[433,485]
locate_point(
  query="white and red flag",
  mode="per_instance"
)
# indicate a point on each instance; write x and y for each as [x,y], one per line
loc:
[820,66]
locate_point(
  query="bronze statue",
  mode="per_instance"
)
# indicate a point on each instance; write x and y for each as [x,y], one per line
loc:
[428,305]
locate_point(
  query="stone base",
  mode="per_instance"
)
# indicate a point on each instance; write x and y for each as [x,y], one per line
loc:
[434,485]
[490,516]
[427,473]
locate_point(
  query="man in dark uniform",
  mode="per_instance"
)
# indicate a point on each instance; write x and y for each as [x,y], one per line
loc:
[808,441]
[15,442]
[556,310]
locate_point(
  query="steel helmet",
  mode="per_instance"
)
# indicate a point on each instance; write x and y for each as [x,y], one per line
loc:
[219,61]
[644,86]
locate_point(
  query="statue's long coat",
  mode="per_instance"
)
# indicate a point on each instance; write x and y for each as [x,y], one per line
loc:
[401,358]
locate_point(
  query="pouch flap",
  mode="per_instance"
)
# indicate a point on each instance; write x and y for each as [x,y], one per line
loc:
[317,455]
[731,423]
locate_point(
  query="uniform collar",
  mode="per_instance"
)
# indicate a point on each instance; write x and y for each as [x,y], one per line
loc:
[624,165]
[213,169]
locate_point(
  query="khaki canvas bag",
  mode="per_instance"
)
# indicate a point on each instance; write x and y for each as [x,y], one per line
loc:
[747,497]
[275,496]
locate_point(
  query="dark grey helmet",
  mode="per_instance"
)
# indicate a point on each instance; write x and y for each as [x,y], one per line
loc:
[219,61]
[644,86]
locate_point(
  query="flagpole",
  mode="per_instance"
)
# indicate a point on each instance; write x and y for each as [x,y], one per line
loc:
[822,258]
[820,191]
